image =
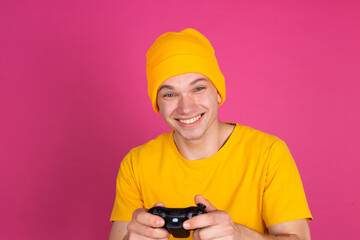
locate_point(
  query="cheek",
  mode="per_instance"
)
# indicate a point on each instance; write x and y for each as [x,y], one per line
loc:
[210,103]
[165,108]
[162,110]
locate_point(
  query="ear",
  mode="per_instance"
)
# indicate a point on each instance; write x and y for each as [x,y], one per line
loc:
[219,98]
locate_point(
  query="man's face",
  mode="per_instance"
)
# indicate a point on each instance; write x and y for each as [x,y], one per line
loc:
[189,104]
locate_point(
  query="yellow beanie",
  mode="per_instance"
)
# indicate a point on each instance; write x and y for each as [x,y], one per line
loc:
[175,53]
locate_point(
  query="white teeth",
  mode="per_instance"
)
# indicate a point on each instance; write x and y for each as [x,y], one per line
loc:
[191,120]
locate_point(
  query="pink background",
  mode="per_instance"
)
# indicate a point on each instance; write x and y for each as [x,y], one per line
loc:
[73,101]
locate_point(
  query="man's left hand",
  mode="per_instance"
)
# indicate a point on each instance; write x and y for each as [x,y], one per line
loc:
[216,224]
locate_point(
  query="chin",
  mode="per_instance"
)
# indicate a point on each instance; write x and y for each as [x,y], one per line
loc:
[190,134]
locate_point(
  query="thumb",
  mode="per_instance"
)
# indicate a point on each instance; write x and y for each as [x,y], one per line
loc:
[159,204]
[209,206]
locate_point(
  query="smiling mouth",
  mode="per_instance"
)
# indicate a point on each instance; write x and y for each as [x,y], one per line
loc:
[190,120]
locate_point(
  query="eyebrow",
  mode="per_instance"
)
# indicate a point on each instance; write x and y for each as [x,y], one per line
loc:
[165,87]
[198,80]
[169,87]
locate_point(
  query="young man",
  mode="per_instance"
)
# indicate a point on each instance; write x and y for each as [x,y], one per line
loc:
[247,179]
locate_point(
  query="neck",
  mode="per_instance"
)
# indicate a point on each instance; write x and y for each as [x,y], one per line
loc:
[207,145]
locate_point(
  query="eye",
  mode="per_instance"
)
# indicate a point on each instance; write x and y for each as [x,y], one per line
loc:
[168,95]
[198,89]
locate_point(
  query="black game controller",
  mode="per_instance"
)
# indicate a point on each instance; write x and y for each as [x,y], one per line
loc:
[174,218]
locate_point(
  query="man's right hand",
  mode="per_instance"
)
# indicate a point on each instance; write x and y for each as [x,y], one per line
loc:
[143,225]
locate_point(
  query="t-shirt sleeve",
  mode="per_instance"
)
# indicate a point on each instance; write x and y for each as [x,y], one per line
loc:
[284,197]
[128,197]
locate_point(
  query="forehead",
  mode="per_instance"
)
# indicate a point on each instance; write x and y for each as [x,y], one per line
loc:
[184,79]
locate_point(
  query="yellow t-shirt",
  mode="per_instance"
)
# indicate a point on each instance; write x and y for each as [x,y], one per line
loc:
[253,177]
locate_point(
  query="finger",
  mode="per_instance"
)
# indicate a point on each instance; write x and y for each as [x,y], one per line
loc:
[142,216]
[146,225]
[140,231]
[206,220]
[159,204]
[209,206]
[196,235]
[214,232]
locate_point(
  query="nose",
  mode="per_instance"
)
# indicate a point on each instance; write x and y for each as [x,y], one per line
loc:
[186,105]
